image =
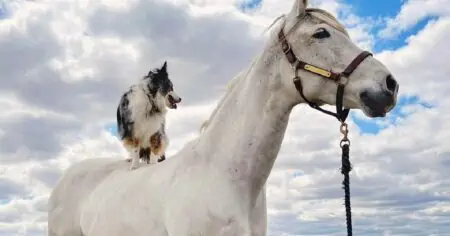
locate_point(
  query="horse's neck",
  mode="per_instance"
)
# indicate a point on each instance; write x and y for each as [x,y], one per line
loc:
[244,136]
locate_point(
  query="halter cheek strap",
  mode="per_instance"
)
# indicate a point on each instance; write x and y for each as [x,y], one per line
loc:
[341,114]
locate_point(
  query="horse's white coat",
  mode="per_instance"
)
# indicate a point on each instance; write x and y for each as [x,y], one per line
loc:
[215,184]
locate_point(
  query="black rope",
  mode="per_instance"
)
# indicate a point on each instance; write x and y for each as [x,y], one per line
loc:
[345,170]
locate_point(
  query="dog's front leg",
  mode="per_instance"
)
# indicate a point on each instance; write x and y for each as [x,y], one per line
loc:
[153,158]
[132,146]
[134,159]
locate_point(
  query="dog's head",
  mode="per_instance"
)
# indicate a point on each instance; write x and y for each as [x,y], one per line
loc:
[161,88]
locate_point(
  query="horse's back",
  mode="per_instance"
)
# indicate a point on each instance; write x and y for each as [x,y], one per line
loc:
[77,183]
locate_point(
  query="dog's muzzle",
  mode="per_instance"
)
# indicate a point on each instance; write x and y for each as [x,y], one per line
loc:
[173,100]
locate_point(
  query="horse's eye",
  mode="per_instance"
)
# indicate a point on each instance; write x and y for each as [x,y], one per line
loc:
[321,33]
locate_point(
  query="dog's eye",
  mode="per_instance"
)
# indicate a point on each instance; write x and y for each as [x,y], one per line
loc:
[321,33]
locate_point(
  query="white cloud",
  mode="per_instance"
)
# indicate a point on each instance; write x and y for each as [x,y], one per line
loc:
[61,82]
[412,12]
[419,66]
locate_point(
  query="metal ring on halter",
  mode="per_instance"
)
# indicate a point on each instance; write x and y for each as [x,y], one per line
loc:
[287,49]
[343,80]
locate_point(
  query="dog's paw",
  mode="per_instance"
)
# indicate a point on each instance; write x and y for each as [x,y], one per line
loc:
[133,167]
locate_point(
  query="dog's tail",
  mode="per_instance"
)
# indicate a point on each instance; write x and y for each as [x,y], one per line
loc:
[118,115]
[120,130]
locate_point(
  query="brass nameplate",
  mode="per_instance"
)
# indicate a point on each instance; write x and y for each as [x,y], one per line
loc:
[317,70]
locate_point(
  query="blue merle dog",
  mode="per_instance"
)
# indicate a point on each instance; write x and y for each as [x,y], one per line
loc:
[141,116]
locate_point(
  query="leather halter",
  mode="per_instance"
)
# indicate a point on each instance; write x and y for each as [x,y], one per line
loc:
[341,114]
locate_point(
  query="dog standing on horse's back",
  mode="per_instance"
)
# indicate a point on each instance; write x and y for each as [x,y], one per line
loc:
[141,116]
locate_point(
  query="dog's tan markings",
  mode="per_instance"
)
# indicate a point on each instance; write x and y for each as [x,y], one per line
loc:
[156,144]
[129,142]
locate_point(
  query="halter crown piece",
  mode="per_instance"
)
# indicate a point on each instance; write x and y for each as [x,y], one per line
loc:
[341,114]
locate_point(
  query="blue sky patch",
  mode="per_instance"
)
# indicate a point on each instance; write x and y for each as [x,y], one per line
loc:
[378,8]
[296,173]
[3,13]
[247,5]
[4,201]
[112,128]
[379,11]
[374,126]
[400,40]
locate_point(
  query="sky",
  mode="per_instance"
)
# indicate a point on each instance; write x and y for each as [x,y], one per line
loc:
[64,65]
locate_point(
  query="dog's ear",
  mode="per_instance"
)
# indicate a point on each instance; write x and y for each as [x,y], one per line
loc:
[164,67]
[149,75]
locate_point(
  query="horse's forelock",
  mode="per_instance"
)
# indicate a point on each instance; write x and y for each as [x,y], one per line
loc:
[319,14]
[327,18]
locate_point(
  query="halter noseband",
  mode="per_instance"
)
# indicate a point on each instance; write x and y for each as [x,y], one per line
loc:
[341,114]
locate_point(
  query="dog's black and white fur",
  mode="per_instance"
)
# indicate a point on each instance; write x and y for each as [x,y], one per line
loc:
[141,116]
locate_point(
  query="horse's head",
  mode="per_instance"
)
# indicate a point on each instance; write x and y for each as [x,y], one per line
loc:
[317,41]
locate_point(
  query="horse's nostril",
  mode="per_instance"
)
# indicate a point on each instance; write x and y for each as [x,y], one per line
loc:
[391,83]
[364,95]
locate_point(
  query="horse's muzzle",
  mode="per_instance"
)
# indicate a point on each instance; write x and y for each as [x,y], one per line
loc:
[378,104]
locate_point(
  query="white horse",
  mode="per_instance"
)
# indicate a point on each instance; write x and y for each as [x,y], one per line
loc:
[215,185]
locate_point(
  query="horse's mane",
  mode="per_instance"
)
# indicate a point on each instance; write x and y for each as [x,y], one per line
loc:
[319,14]
[230,88]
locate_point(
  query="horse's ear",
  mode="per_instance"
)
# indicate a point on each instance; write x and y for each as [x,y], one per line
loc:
[164,67]
[298,8]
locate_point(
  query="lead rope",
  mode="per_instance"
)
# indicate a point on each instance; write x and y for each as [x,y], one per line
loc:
[345,170]
[341,115]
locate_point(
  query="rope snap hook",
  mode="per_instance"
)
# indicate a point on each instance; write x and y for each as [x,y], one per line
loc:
[344,131]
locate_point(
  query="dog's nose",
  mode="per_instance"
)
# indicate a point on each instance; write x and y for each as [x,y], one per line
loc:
[179,99]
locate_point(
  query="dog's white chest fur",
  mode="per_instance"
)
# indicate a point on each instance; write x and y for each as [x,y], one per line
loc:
[145,121]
